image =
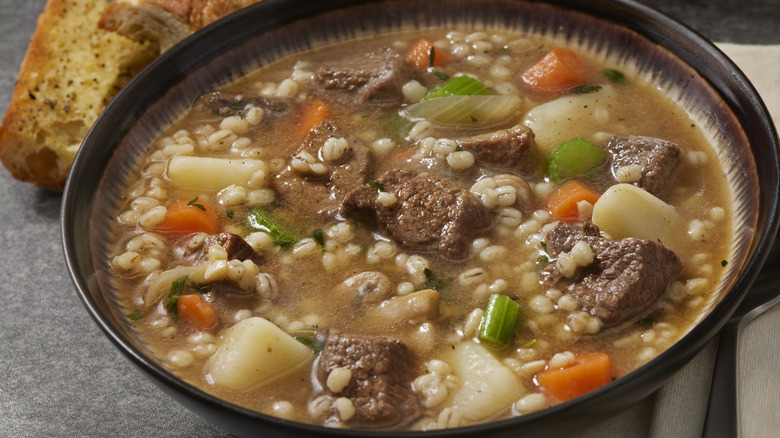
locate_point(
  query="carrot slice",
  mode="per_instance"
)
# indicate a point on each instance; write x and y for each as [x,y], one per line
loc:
[189,218]
[559,70]
[420,55]
[313,113]
[592,371]
[562,202]
[196,313]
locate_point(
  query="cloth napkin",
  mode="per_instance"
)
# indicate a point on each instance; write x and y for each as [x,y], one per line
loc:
[679,407]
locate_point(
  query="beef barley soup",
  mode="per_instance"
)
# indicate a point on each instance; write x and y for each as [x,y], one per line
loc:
[421,231]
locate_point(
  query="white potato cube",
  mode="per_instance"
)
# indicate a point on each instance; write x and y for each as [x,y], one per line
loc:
[625,210]
[254,352]
[489,387]
[553,122]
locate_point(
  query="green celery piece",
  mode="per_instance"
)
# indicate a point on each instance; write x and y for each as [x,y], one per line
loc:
[459,86]
[502,317]
[262,220]
[572,158]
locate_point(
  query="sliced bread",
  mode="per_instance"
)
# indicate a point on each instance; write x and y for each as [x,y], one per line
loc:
[71,70]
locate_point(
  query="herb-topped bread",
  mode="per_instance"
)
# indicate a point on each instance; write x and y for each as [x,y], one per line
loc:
[71,70]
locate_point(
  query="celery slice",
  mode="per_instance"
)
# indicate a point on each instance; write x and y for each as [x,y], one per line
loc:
[459,86]
[501,318]
[471,110]
[572,158]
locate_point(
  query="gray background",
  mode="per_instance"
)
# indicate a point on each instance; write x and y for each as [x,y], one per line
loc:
[59,376]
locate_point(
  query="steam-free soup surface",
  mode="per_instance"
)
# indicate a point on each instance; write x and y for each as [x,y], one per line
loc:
[421,231]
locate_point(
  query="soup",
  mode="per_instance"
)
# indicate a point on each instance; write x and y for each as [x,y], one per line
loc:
[421,231]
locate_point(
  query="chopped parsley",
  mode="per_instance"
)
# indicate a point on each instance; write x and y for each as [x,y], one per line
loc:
[318,236]
[229,214]
[587,89]
[441,75]
[194,203]
[377,185]
[723,263]
[646,322]
[135,315]
[315,345]
[177,288]
[614,76]
[437,283]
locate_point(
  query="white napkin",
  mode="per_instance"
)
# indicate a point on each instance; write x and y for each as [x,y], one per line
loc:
[678,408]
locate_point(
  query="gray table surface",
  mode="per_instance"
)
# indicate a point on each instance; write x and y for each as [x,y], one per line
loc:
[59,376]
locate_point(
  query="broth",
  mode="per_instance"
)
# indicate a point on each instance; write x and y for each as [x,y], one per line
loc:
[343,254]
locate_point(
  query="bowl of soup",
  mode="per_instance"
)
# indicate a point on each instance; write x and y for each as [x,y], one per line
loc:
[441,217]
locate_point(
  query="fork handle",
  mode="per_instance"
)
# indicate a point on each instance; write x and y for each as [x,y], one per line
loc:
[722,419]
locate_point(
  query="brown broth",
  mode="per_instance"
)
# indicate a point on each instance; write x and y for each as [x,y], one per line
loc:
[304,301]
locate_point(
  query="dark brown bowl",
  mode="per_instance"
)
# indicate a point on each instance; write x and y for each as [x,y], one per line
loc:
[703,80]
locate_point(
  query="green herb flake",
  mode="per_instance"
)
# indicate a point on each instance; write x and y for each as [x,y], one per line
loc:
[135,315]
[437,283]
[614,76]
[474,120]
[620,119]
[318,236]
[543,245]
[693,125]
[431,57]
[177,289]
[262,220]
[230,214]
[542,259]
[315,345]
[529,344]
[723,263]
[194,203]
[646,322]
[587,89]
[441,75]
[377,185]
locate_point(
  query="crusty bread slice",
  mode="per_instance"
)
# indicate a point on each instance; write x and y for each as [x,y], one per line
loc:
[70,72]
[165,22]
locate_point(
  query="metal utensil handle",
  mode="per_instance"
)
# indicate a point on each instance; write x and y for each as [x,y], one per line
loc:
[722,418]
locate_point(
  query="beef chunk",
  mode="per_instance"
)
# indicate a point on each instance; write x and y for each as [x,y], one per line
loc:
[380,387]
[626,277]
[657,158]
[236,247]
[431,213]
[374,78]
[321,194]
[225,104]
[512,150]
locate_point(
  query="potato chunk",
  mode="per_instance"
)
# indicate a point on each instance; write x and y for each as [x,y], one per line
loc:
[489,387]
[625,210]
[254,352]
[204,173]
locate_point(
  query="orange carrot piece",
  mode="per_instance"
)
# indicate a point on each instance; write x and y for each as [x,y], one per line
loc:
[420,55]
[313,113]
[189,218]
[196,313]
[592,371]
[559,70]
[562,202]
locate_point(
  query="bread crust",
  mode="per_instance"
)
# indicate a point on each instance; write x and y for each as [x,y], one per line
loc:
[70,72]
[165,22]
[81,54]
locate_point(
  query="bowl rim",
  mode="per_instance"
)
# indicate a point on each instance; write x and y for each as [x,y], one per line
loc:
[681,40]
